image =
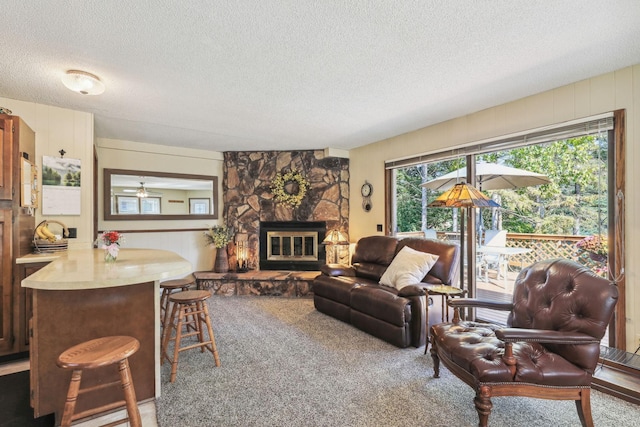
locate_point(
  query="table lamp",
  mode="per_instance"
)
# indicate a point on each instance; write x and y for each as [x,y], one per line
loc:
[334,239]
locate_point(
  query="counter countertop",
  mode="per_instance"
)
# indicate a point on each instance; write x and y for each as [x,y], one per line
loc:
[86,269]
[43,257]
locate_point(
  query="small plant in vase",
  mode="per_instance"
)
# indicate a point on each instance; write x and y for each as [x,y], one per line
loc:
[110,241]
[219,237]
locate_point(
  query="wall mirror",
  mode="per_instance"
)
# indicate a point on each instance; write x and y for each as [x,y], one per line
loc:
[143,195]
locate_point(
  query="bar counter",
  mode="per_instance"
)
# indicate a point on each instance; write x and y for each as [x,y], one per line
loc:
[78,297]
[86,269]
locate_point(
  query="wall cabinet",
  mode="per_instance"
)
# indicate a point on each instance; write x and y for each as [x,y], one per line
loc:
[17,224]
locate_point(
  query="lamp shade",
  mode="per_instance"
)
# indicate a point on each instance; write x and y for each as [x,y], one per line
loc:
[335,237]
[83,82]
[463,195]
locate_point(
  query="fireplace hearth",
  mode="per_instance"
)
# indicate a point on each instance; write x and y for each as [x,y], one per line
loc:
[292,245]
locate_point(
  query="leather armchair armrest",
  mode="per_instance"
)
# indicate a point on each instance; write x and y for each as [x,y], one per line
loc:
[337,270]
[478,303]
[412,291]
[544,336]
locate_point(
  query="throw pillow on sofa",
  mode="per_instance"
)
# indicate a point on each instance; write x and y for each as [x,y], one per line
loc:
[408,268]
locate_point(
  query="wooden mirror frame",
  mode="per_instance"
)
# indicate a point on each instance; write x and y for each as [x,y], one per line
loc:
[106,199]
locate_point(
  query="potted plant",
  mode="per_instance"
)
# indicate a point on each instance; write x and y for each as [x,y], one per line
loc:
[596,245]
[219,237]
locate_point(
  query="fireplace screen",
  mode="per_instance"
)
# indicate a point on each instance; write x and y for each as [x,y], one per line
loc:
[292,245]
[286,245]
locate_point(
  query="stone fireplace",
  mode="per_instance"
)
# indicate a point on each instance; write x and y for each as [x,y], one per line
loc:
[292,245]
[249,205]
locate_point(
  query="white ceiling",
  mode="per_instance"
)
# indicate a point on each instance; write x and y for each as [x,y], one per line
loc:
[302,74]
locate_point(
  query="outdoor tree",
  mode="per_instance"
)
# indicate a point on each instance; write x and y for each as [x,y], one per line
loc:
[574,202]
[578,189]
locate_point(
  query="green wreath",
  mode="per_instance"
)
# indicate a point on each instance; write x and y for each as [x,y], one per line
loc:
[280,193]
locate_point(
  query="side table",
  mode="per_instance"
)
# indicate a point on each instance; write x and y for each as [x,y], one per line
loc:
[445,292]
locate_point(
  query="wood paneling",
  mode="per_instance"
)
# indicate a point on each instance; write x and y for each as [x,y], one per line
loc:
[62,319]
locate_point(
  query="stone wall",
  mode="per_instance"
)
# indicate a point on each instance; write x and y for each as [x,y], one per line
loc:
[248,199]
[270,283]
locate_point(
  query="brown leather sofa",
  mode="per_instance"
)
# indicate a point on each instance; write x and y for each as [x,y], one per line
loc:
[352,293]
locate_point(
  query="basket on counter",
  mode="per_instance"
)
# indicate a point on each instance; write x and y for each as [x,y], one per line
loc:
[45,241]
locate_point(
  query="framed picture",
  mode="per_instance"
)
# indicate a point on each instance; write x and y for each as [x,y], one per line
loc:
[127,205]
[199,206]
[150,206]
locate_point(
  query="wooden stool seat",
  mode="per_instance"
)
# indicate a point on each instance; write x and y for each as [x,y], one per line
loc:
[189,296]
[114,350]
[190,311]
[185,282]
[168,287]
[99,352]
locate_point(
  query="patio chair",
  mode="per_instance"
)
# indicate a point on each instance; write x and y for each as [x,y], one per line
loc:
[494,239]
[430,233]
[549,348]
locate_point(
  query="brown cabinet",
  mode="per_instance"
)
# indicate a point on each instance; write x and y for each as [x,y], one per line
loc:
[16,231]
[6,331]
[23,301]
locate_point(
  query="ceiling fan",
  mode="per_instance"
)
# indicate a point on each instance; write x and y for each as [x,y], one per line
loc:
[141,191]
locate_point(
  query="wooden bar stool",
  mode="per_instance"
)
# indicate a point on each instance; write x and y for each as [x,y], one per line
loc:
[94,354]
[168,287]
[190,312]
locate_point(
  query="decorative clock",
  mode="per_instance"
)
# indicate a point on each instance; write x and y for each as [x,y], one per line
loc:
[366,191]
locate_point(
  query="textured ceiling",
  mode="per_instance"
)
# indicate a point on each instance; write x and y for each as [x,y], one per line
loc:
[303,74]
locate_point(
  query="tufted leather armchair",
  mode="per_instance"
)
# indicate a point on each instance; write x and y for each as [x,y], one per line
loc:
[549,348]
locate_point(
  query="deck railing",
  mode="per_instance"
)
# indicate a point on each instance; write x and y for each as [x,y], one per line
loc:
[543,246]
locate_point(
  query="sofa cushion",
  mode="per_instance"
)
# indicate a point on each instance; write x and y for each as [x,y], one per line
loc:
[408,268]
[372,256]
[334,288]
[337,270]
[381,303]
[475,348]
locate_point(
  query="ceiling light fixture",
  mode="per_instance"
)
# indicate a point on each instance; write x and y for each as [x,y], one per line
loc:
[83,82]
[141,192]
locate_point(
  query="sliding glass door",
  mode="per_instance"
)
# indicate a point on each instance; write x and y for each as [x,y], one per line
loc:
[557,194]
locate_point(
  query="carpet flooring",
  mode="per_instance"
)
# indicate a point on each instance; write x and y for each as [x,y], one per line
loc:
[14,403]
[285,364]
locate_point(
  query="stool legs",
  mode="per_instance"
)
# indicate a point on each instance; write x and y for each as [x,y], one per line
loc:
[192,315]
[129,394]
[72,398]
[165,303]
[214,349]
[133,413]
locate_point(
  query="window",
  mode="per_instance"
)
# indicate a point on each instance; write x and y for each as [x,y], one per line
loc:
[127,205]
[133,205]
[150,205]
[563,189]
[199,206]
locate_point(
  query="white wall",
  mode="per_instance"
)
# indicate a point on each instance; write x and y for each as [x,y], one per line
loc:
[190,244]
[601,94]
[57,129]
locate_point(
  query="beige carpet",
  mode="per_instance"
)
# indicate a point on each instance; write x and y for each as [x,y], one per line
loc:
[285,364]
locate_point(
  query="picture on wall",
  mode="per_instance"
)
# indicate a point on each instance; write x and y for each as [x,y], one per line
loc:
[61,186]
